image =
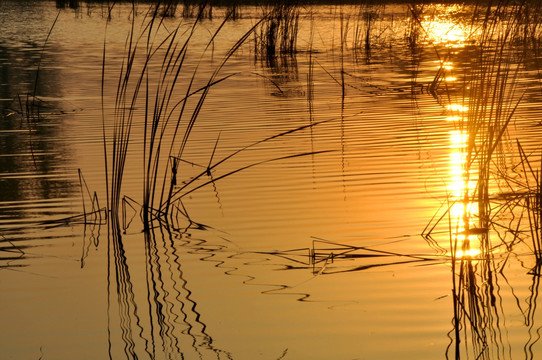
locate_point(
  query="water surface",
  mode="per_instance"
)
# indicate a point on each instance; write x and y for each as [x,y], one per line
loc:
[341,249]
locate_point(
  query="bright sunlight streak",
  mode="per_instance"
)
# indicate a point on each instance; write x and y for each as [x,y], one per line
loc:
[442,29]
[461,183]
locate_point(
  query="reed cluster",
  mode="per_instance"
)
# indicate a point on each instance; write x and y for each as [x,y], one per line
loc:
[171,103]
[278,32]
[154,77]
[364,27]
[72,4]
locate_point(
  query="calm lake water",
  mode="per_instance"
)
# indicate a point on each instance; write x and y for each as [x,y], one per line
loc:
[389,212]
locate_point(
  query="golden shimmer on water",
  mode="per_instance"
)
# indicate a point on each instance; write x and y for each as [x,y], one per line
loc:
[328,198]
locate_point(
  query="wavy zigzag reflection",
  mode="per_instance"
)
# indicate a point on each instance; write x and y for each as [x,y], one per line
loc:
[172,299]
[169,324]
[128,310]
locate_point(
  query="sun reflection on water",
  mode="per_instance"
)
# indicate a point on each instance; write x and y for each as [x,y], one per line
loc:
[447,65]
[457,107]
[462,183]
[445,32]
[471,253]
[442,28]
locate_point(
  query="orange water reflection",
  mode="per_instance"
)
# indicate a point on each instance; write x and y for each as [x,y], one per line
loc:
[441,28]
[461,185]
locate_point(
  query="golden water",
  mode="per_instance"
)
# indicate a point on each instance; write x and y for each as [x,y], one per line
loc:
[244,284]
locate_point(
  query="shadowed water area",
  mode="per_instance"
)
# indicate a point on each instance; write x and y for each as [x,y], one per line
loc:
[348,182]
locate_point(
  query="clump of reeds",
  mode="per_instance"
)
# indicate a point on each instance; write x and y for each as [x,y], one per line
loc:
[364,27]
[168,9]
[172,104]
[233,11]
[72,4]
[167,122]
[278,32]
[414,30]
[197,9]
